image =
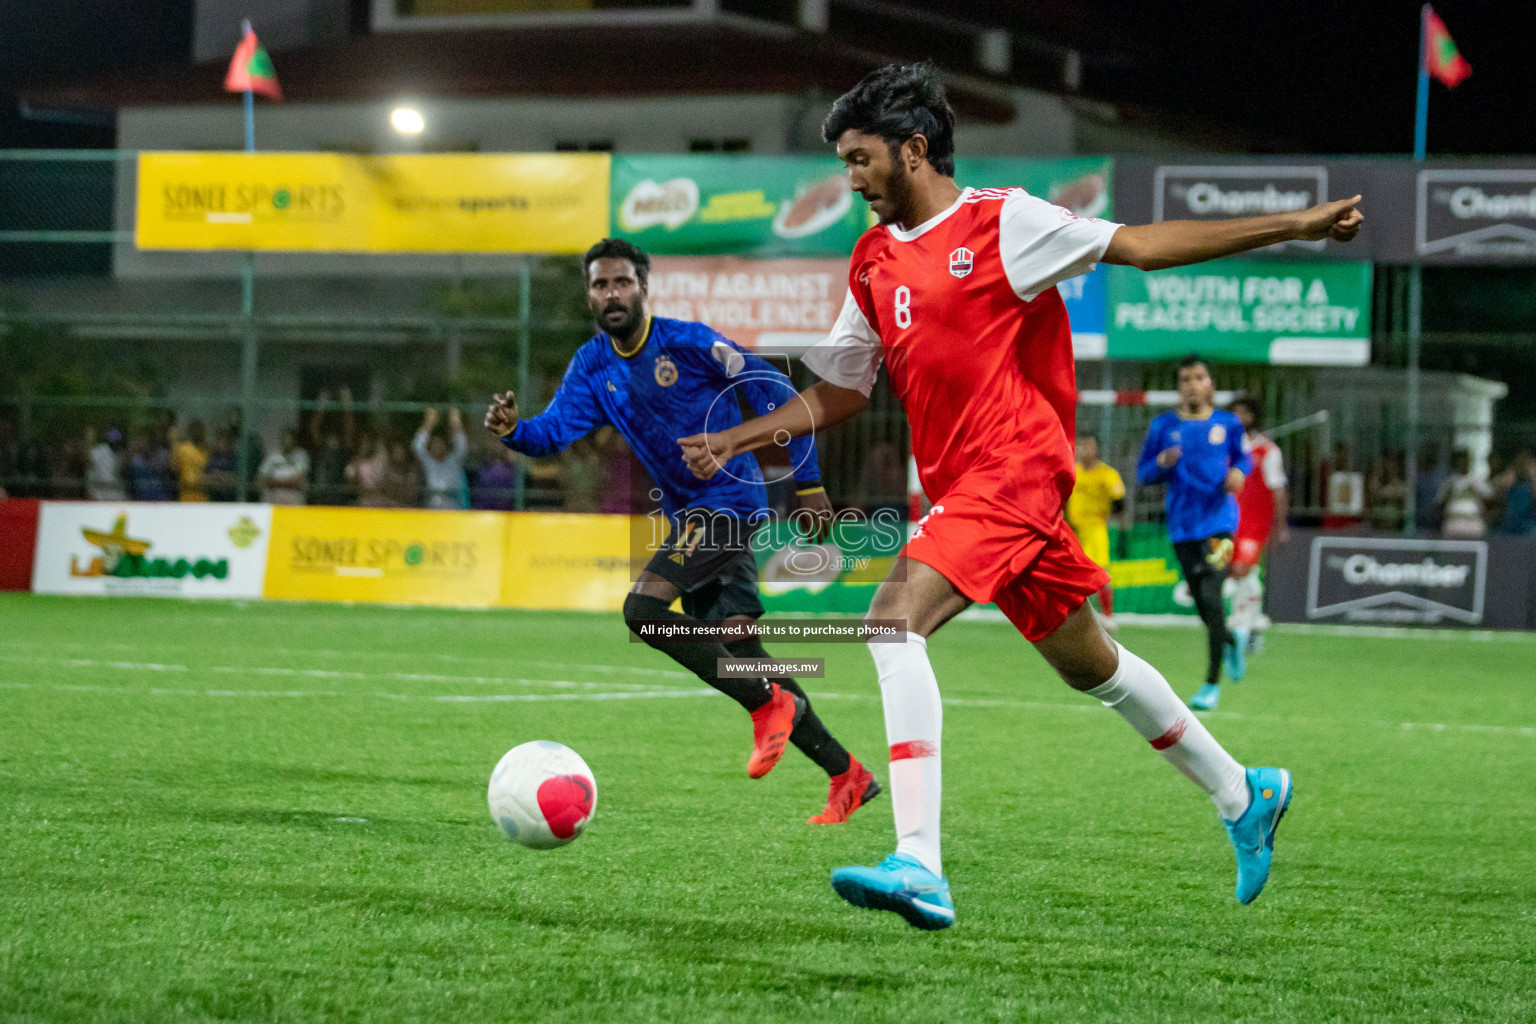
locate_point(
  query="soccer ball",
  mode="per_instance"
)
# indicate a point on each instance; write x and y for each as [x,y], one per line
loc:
[542,794]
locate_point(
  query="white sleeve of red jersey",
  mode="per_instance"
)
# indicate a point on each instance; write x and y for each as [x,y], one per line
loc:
[1043,244]
[1273,467]
[850,356]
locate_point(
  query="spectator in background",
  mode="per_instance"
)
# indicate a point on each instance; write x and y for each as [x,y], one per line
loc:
[189,460]
[367,472]
[67,466]
[442,466]
[104,469]
[402,478]
[496,482]
[1428,488]
[149,467]
[883,481]
[285,474]
[626,484]
[333,451]
[580,476]
[219,476]
[1463,500]
[1387,492]
[1517,485]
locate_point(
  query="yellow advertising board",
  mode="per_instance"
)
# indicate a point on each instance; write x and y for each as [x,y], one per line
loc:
[333,202]
[394,556]
[566,561]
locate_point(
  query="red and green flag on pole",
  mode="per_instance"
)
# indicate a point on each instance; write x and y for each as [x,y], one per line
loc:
[251,69]
[1441,58]
[1438,58]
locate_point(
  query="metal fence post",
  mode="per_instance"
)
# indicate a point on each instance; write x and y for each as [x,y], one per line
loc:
[524,343]
[249,356]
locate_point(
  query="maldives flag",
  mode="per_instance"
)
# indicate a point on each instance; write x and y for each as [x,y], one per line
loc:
[251,69]
[1441,58]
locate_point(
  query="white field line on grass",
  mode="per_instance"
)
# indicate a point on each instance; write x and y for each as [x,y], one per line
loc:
[304,652]
[1508,636]
[317,673]
[634,691]
[161,691]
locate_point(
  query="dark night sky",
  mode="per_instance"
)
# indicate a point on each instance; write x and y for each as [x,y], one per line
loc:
[1291,75]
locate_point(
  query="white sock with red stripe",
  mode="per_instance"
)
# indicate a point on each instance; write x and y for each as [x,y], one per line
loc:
[1143,697]
[914,720]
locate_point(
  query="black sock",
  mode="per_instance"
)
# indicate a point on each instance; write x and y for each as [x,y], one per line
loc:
[1207,594]
[811,735]
[697,656]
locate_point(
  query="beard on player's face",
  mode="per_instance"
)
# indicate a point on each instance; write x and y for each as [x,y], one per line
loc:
[895,197]
[616,317]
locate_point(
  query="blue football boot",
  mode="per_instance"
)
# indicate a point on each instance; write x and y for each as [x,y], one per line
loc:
[901,885]
[1237,655]
[1205,698]
[1253,834]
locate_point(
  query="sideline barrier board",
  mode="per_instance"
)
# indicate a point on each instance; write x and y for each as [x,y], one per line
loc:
[392,556]
[18,542]
[1360,578]
[151,549]
[335,202]
[568,562]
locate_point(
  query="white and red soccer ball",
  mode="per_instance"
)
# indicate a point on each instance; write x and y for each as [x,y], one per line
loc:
[542,794]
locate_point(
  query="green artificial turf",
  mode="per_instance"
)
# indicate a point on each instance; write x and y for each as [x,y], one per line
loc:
[274,812]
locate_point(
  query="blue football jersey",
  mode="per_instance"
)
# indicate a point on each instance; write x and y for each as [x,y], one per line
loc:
[1196,496]
[685,379]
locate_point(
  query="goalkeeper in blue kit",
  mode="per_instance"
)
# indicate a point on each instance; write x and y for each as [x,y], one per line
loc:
[1197,452]
[654,380]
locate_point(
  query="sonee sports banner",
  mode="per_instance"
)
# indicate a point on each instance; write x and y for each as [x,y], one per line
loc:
[331,202]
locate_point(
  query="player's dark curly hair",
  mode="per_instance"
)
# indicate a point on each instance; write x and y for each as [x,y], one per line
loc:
[617,249]
[1193,359]
[1243,401]
[896,103]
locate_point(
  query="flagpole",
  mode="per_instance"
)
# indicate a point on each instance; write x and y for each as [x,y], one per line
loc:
[249,352]
[250,97]
[1421,113]
[1416,295]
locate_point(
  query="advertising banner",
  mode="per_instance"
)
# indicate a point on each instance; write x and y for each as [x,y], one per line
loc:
[1084,185]
[577,562]
[1302,314]
[332,202]
[1475,215]
[151,549]
[394,556]
[1216,188]
[750,205]
[1379,579]
[1403,581]
[769,305]
[18,542]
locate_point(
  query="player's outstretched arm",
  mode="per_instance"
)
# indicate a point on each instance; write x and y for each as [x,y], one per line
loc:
[823,405]
[1177,243]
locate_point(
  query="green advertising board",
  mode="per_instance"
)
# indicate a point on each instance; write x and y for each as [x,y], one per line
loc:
[1301,314]
[1084,185]
[768,206]
[857,556]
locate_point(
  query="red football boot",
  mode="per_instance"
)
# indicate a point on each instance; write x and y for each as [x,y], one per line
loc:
[771,725]
[849,791]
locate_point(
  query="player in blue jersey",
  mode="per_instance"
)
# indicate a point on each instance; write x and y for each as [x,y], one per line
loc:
[656,379]
[1197,452]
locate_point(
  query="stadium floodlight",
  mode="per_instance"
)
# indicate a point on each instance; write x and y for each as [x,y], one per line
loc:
[407,120]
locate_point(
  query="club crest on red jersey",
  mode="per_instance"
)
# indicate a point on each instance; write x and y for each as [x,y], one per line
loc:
[960,261]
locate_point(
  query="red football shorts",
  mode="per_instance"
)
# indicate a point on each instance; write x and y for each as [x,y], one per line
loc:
[1248,548]
[1036,576]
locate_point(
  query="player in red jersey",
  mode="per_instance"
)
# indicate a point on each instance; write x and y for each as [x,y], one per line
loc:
[954,292]
[1262,505]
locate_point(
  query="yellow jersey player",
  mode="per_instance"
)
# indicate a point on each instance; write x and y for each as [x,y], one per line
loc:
[1098,494]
